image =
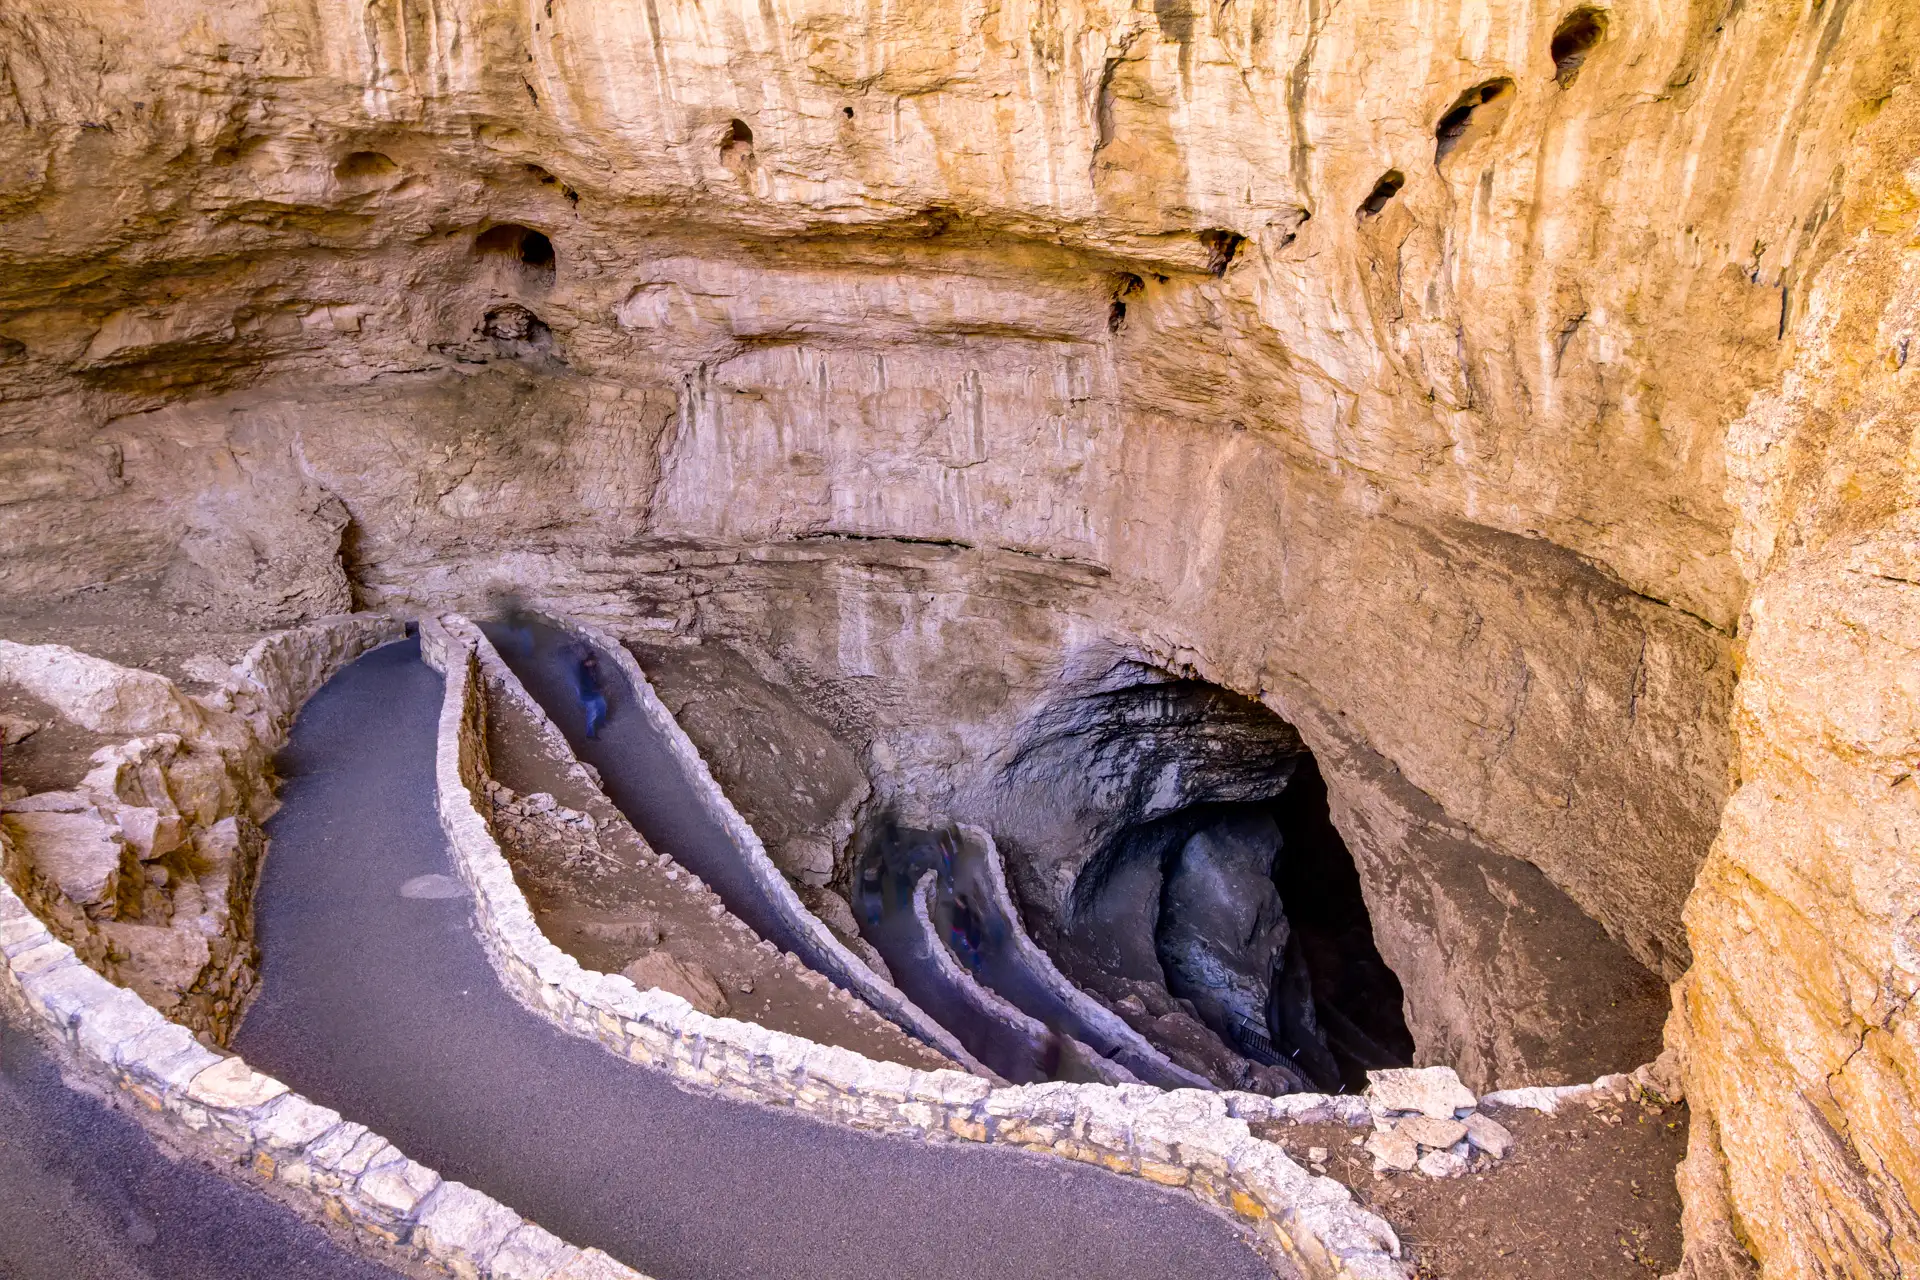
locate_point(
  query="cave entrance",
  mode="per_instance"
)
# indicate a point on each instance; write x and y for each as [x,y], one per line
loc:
[1262,930]
[1356,996]
[1208,897]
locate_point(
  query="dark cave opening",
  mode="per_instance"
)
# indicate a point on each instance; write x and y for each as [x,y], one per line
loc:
[532,250]
[1357,997]
[1263,930]
[1461,117]
[1573,40]
[1213,905]
[1383,193]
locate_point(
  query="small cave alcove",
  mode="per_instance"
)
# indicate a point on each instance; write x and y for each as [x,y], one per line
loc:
[1476,113]
[1382,194]
[530,250]
[1212,902]
[1576,36]
[736,147]
[361,167]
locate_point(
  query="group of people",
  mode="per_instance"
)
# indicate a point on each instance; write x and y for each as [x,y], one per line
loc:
[891,870]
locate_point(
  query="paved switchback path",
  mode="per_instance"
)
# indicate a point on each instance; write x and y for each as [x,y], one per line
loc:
[386,1008]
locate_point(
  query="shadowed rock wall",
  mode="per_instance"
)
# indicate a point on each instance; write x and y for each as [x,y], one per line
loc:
[1118,307]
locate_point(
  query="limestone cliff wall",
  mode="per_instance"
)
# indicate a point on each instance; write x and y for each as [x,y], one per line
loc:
[1795,1016]
[1118,307]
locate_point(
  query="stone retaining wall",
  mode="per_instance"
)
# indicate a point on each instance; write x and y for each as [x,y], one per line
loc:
[1304,1225]
[1118,1041]
[1078,1061]
[830,956]
[213,1104]
[219,1107]
[190,787]
[880,994]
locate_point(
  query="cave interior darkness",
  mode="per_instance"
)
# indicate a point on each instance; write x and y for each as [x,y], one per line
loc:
[1332,1006]
[1219,909]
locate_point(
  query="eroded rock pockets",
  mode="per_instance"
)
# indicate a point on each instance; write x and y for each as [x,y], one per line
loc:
[1476,113]
[1576,37]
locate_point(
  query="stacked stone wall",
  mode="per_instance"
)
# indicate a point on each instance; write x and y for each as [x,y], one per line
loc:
[1197,1141]
[194,775]
[215,1105]
[220,1108]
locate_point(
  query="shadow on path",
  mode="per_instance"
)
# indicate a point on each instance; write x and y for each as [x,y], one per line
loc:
[385,1008]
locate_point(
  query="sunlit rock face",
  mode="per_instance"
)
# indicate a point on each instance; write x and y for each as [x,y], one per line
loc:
[1371,361]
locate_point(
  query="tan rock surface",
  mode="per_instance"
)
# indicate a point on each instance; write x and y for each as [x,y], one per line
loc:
[1795,1016]
[661,970]
[1025,332]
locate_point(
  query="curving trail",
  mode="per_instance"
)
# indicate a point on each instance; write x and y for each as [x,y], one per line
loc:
[642,778]
[639,774]
[386,1008]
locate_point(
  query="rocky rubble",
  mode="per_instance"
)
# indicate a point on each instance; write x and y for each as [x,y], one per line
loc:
[660,970]
[541,820]
[146,864]
[1425,1119]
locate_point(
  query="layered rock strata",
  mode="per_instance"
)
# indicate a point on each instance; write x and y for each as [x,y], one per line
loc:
[1373,362]
[146,866]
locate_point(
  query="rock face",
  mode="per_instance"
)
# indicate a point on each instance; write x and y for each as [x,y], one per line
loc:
[1477,387]
[145,863]
[1222,942]
[1800,1043]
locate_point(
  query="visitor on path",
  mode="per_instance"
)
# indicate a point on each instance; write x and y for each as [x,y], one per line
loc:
[586,679]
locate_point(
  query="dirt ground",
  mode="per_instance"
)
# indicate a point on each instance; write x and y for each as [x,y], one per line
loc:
[609,907]
[1587,1194]
[54,756]
[751,732]
[128,626]
[124,625]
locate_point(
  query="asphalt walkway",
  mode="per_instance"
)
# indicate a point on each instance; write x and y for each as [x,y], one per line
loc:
[86,1195]
[385,1008]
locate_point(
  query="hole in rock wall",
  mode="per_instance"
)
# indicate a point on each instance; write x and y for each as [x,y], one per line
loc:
[365,166]
[1356,996]
[1573,40]
[736,146]
[1466,118]
[544,176]
[1125,286]
[1221,247]
[1262,929]
[530,249]
[516,326]
[1383,192]
[1212,902]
